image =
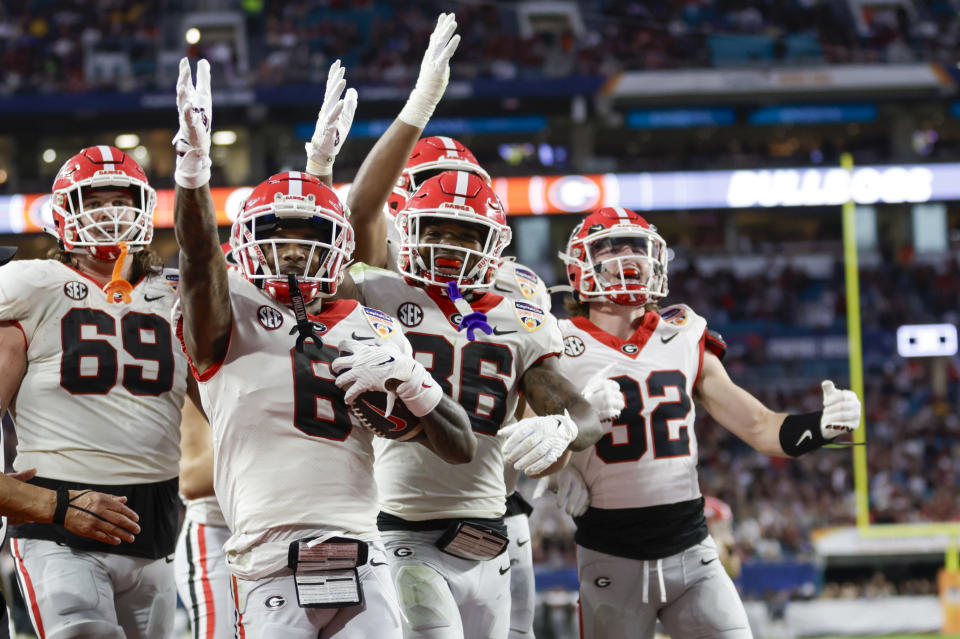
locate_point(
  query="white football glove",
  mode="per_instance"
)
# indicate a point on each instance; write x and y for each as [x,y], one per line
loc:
[841,411]
[568,487]
[533,444]
[604,395]
[434,73]
[192,141]
[370,364]
[333,123]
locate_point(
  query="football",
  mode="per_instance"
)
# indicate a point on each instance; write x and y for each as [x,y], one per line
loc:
[401,425]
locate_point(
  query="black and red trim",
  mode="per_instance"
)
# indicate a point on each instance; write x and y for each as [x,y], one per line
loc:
[208,374]
[715,343]
[639,338]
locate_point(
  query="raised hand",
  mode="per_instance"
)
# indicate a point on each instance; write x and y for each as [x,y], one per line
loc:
[841,411]
[434,73]
[192,141]
[333,123]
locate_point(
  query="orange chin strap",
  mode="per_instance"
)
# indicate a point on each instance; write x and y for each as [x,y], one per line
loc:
[119,287]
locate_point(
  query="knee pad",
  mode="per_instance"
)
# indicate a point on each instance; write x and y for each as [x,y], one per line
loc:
[88,629]
[424,597]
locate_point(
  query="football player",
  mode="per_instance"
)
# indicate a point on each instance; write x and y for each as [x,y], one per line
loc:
[203,581]
[374,202]
[443,529]
[643,548]
[97,387]
[294,467]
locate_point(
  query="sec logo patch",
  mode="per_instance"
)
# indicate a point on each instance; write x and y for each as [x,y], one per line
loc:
[270,318]
[75,290]
[410,314]
[573,346]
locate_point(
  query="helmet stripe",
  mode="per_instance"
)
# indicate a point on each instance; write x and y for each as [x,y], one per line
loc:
[460,190]
[107,156]
[621,213]
[449,145]
[295,184]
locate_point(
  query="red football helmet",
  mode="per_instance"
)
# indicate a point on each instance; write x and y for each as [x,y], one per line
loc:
[283,201]
[430,157]
[100,230]
[463,198]
[615,255]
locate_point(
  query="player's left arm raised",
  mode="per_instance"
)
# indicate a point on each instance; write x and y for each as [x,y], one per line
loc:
[203,288]
[383,165]
[566,420]
[769,432]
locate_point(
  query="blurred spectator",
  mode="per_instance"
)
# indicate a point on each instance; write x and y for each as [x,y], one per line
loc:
[76,45]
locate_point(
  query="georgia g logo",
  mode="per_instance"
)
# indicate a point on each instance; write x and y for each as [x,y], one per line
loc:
[602,582]
[403,551]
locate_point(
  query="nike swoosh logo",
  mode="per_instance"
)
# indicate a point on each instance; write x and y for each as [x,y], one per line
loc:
[666,340]
[502,290]
[707,561]
[359,338]
[497,331]
[523,543]
[377,563]
[147,298]
[426,385]
[504,571]
[806,435]
[387,362]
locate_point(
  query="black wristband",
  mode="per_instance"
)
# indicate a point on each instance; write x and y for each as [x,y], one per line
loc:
[63,502]
[801,434]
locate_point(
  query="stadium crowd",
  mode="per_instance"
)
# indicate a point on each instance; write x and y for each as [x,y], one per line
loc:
[50,46]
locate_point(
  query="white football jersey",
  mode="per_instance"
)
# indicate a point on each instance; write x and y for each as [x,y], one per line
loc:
[289,457]
[648,456]
[518,282]
[204,510]
[100,401]
[482,376]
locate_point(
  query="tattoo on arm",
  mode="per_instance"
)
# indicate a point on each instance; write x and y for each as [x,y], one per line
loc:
[203,289]
[549,393]
[447,432]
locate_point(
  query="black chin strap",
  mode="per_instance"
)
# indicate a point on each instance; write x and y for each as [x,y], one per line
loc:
[304,325]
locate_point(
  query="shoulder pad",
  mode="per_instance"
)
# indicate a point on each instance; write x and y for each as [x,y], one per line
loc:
[714,343]
[381,323]
[531,316]
[677,315]
[526,281]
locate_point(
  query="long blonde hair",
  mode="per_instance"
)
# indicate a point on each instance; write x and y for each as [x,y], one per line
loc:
[145,262]
[577,308]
